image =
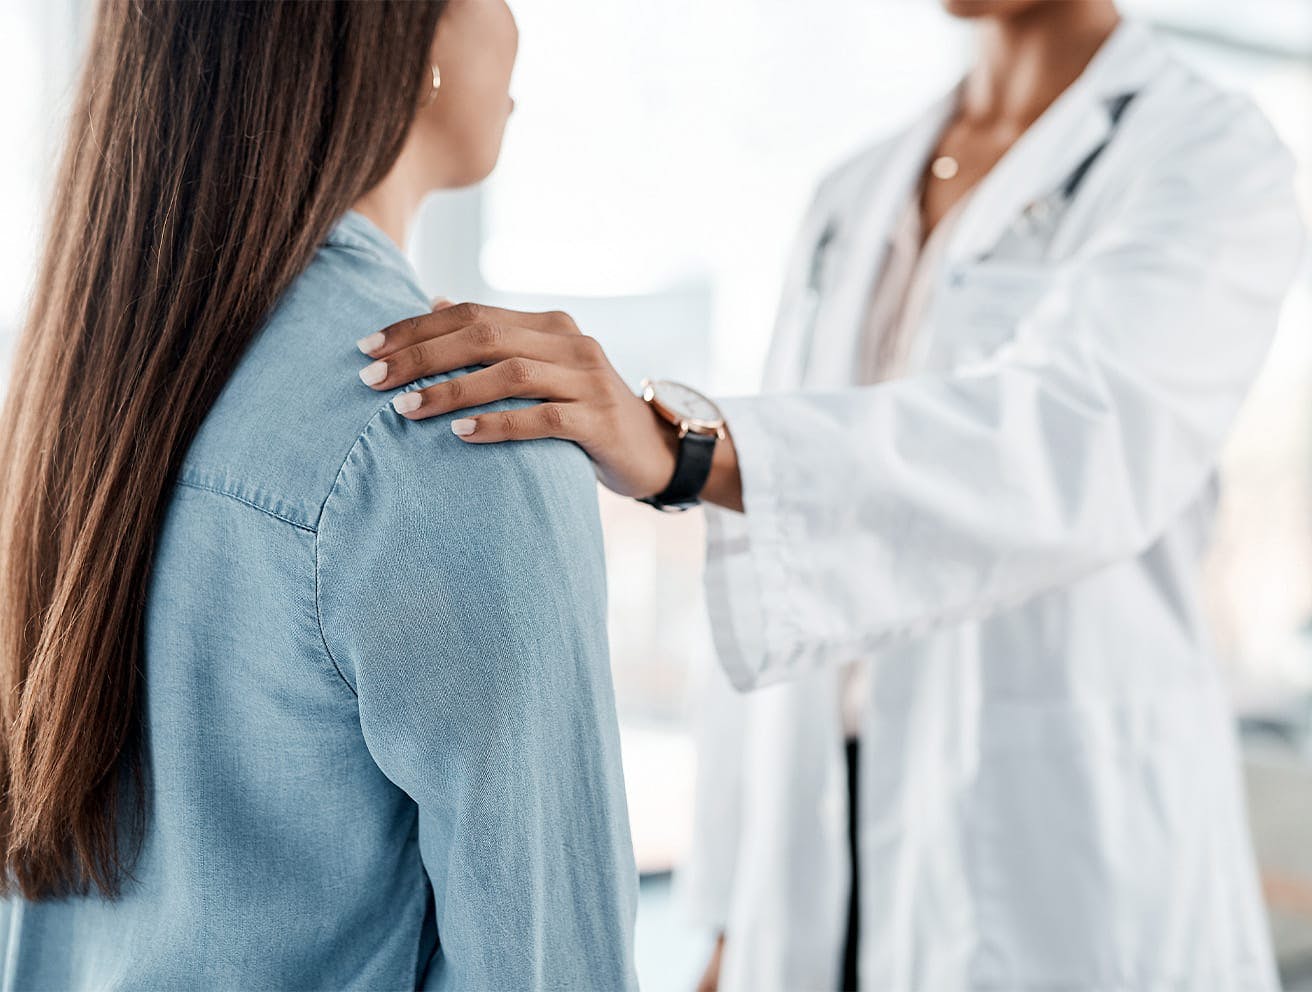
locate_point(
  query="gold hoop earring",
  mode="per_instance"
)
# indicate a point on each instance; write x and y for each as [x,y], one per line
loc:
[437,85]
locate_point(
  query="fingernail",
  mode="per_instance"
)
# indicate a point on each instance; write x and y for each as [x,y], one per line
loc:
[370,344]
[463,428]
[407,402]
[372,375]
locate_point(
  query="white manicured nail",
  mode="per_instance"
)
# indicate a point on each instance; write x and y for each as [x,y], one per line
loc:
[463,428]
[370,344]
[407,402]
[372,375]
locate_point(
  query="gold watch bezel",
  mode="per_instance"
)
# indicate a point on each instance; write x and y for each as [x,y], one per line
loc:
[685,425]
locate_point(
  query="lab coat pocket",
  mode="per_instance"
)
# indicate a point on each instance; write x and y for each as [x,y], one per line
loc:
[979,309]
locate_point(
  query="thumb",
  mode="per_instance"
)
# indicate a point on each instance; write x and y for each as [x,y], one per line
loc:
[441,303]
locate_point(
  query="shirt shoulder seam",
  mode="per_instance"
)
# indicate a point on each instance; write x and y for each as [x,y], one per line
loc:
[217,491]
[323,507]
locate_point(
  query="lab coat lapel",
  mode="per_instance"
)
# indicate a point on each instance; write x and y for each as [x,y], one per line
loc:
[1045,155]
[865,224]
[1056,144]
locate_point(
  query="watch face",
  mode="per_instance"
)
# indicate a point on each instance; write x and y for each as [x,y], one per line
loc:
[687,404]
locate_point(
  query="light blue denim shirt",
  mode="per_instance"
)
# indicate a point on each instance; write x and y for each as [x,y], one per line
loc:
[379,718]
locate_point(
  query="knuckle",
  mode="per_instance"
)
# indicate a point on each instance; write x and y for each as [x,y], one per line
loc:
[421,359]
[466,313]
[562,321]
[554,416]
[453,391]
[485,334]
[509,423]
[591,351]
[518,371]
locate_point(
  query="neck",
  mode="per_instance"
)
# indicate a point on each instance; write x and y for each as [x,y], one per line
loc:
[1026,61]
[394,202]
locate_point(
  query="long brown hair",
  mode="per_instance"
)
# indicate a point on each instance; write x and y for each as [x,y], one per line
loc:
[212,146]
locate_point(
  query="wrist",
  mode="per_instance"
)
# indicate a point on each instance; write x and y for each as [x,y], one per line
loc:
[663,453]
[725,486]
[691,427]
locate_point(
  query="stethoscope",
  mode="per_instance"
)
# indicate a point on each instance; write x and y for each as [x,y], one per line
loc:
[1042,207]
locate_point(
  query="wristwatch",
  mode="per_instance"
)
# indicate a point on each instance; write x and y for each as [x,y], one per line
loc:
[700,424]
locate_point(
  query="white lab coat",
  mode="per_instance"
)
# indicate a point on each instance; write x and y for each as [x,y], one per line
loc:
[1010,535]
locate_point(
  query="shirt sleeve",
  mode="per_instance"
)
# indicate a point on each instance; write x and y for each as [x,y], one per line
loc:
[889,511]
[462,595]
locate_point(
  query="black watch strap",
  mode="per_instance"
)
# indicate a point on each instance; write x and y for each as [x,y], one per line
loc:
[692,467]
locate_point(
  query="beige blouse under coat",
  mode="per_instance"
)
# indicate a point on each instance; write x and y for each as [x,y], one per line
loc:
[898,305]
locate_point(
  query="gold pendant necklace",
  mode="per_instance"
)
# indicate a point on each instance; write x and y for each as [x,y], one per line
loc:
[944,167]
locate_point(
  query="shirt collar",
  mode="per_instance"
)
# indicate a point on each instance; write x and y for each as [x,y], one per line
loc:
[355,231]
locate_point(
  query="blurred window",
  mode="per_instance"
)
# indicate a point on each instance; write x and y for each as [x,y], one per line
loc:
[39,41]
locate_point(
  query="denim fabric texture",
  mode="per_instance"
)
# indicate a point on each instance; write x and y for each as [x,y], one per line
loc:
[379,719]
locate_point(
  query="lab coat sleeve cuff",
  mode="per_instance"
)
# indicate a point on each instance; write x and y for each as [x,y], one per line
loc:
[747,561]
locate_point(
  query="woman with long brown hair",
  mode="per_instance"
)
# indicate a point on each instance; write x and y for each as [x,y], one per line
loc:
[270,716]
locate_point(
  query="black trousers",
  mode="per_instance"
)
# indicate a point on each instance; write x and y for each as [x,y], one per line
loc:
[854,897]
